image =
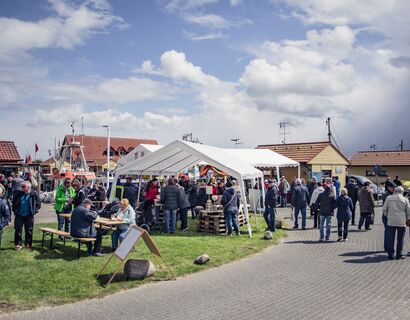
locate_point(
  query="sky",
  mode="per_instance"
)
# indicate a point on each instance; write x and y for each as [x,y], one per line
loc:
[219,69]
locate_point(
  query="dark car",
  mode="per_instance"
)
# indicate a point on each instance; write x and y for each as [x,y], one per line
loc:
[360,180]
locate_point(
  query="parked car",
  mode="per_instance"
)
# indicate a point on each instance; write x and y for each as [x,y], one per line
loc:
[360,180]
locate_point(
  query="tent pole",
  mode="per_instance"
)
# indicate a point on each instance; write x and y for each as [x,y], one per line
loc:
[255,207]
[277,174]
[245,206]
[113,187]
[299,171]
[139,187]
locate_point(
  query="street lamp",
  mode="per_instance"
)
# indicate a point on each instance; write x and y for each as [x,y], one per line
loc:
[108,154]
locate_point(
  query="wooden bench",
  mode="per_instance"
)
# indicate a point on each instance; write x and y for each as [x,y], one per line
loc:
[52,232]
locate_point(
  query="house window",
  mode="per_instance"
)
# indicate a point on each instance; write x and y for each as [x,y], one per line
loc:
[326,173]
[370,173]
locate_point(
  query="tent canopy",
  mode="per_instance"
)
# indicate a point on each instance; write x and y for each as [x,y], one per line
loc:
[180,155]
[262,158]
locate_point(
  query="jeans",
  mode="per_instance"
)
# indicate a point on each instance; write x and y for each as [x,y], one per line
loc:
[366,218]
[184,218]
[61,222]
[303,211]
[230,218]
[193,212]
[328,220]
[170,220]
[391,234]
[269,216]
[117,235]
[283,202]
[342,227]
[28,223]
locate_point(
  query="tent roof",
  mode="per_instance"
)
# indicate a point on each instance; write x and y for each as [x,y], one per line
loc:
[262,158]
[180,155]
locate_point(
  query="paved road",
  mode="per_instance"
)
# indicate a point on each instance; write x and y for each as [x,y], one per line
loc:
[299,279]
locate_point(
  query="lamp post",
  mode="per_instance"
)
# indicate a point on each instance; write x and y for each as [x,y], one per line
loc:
[108,154]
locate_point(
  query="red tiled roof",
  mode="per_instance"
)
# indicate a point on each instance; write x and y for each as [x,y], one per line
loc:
[8,151]
[383,158]
[94,146]
[301,152]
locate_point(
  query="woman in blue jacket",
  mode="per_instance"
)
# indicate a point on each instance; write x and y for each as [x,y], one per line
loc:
[344,214]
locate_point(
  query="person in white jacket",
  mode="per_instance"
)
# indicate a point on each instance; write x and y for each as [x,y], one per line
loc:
[127,214]
[315,194]
[396,209]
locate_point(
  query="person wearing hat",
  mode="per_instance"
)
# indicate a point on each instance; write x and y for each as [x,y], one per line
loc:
[366,201]
[82,224]
[397,211]
[4,211]
[270,205]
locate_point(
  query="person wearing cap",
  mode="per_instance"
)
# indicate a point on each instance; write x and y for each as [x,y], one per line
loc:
[366,201]
[270,206]
[26,204]
[230,201]
[82,223]
[300,199]
[4,211]
[397,211]
[130,191]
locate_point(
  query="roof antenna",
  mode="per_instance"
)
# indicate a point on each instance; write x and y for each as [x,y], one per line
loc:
[282,125]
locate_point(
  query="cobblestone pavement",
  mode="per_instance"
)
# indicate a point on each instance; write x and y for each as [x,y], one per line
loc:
[299,279]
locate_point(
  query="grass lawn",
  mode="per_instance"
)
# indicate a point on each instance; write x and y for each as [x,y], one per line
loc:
[41,277]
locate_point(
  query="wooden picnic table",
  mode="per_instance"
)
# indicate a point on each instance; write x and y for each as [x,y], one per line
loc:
[108,222]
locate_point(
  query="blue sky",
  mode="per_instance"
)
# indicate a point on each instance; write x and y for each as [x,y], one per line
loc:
[220,69]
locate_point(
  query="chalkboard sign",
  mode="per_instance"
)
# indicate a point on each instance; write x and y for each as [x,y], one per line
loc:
[128,243]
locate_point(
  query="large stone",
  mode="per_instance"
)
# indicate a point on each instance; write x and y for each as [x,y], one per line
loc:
[202,259]
[137,269]
[267,235]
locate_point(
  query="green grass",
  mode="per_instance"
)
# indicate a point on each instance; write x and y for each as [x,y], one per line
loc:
[43,277]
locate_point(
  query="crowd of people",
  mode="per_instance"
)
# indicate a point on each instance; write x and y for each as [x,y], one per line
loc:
[179,196]
[326,196]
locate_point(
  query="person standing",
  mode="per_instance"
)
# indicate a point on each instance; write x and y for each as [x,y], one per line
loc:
[336,184]
[169,198]
[352,192]
[390,190]
[344,214]
[231,202]
[283,191]
[270,206]
[26,204]
[326,203]
[64,198]
[311,186]
[300,199]
[184,183]
[397,211]
[312,204]
[192,197]
[183,205]
[130,191]
[397,181]
[366,201]
[4,211]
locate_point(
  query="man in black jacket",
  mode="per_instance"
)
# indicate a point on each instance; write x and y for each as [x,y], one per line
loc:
[352,192]
[270,206]
[26,204]
[130,192]
[230,201]
[326,203]
[80,193]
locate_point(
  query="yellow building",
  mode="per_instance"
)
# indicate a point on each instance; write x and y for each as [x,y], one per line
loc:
[317,159]
[393,163]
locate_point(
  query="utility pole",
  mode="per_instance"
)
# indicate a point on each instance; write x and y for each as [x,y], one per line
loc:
[282,125]
[329,133]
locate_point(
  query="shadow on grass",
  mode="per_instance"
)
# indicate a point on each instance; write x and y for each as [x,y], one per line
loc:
[104,278]
[365,257]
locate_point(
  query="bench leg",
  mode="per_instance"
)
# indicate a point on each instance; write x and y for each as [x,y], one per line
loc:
[42,240]
[78,250]
[51,241]
[64,240]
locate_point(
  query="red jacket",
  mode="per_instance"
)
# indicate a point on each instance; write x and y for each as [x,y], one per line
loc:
[152,193]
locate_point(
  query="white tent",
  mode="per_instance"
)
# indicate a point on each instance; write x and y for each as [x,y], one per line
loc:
[138,152]
[180,155]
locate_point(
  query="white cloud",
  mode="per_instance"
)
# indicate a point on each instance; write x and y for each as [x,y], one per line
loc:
[206,36]
[71,27]
[214,21]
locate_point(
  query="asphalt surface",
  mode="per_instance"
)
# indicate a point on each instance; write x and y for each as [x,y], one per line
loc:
[298,279]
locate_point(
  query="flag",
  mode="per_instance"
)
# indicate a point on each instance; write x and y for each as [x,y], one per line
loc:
[36,147]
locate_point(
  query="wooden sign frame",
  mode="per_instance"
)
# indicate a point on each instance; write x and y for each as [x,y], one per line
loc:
[127,245]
